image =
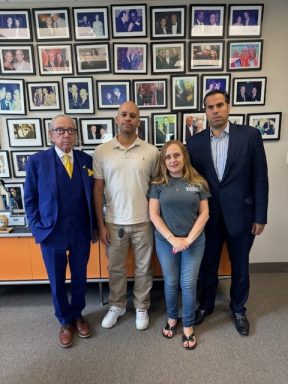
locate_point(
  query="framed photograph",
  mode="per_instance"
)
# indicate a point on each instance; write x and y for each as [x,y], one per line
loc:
[17,60]
[164,127]
[89,151]
[168,22]
[92,58]
[15,25]
[55,60]
[237,118]
[207,21]
[129,20]
[4,165]
[130,58]
[16,197]
[96,131]
[214,82]
[12,97]
[142,130]
[19,160]
[245,20]
[249,91]
[46,125]
[52,24]
[150,93]
[24,132]
[168,57]
[192,123]
[44,96]
[269,124]
[78,95]
[206,55]
[184,93]
[245,55]
[91,23]
[111,94]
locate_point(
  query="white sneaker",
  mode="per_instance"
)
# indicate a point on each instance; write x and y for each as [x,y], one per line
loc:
[112,316]
[142,319]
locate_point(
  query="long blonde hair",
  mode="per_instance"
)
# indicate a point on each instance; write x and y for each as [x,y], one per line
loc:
[190,175]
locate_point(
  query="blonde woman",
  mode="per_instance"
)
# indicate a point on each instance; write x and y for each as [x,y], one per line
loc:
[178,209]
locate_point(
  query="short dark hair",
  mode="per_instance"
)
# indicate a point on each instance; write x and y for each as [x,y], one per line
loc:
[215,92]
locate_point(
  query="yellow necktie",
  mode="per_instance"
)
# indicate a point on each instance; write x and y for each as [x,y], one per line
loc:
[68,164]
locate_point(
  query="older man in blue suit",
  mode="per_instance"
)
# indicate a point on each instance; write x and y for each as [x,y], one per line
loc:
[58,203]
[233,161]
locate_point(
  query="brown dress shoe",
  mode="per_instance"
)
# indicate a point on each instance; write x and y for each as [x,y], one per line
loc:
[66,336]
[82,327]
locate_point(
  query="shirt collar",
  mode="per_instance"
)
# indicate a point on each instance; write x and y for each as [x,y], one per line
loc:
[60,153]
[226,130]
[116,143]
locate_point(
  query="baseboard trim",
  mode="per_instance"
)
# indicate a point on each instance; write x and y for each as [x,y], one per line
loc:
[268,267]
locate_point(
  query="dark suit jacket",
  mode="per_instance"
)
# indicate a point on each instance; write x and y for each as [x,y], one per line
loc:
[41,192]
[242,195]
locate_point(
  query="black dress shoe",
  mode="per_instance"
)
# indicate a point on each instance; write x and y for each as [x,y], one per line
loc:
[200,316]
[242,324]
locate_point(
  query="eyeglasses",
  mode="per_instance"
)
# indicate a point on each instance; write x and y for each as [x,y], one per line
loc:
[62,131]
[172,155]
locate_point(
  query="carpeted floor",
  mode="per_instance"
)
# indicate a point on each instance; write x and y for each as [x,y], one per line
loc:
[29,352]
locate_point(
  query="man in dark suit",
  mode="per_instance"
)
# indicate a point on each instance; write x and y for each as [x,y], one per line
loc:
[59,208]
[232,159]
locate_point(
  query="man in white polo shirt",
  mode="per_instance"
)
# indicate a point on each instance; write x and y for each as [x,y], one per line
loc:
[123,168]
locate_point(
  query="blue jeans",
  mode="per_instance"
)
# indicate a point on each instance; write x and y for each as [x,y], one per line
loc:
[184,267]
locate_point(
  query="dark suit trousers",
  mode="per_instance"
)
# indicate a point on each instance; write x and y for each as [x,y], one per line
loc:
[238,249]
[54,250]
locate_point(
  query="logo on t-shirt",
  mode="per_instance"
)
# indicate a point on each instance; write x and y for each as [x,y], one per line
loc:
[192,188]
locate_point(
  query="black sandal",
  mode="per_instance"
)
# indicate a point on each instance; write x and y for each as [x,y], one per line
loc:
[190,338]
[169,328]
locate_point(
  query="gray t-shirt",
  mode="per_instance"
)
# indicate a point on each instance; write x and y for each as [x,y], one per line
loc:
[179,204]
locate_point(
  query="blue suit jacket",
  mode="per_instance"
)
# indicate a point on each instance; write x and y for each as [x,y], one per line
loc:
[242,195]
[41,192]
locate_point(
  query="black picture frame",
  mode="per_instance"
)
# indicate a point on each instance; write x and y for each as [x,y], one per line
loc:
[96,131]
[143,128]
[17,60]
[237,118]
[250,91]
[206,55]
[150,94]
[92,58]
[168,22]
[24,132]
[55,59]
[5,169]
[245,20]
[46,125]
[19,161]
[130,58]
[16,200]
[111,94]
[215,81]
[168,57]
[129,20]
[44,96]
[18,27]
[78,95]
[90,23]
[184,92]
[207,21]
[269,124]
[52,24]
[244,55]
[12,97]
[164,128]
[192,123]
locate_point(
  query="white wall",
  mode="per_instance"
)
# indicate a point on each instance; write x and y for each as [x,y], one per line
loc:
[272,245]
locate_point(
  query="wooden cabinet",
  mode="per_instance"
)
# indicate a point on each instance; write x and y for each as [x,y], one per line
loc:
[21,260]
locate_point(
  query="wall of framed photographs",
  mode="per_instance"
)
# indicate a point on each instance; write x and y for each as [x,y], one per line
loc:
[84,59]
